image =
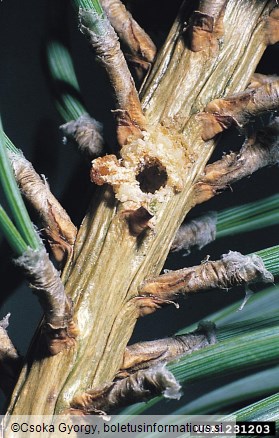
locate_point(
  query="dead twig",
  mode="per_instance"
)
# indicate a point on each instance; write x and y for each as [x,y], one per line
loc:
[150,353]
[60,230]
[238,109]
[104,41]
[233,269]
[138,387]
[256,153]
[196,233]
[59,327]
[131,34]
[87,133]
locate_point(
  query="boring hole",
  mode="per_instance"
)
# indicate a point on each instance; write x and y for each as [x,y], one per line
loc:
[152,176]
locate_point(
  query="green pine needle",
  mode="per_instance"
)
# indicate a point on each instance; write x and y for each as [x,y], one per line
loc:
[263,410]
[10,146]
[270,258]
[261,303]
[60,64]
[255,385]
[92,16]
[68,99]
[248,217]
[14,198]
[237,353]
[89,5]
[12,235]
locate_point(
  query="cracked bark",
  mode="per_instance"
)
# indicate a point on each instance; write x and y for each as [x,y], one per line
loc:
[233,269]
[87,133]
[59,229]
[196,233]
[256,153]
[140,386]
[58,325]
[147,354]
[238,109]
[129,31]
[129,116]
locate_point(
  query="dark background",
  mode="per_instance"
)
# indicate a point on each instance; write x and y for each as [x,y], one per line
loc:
[31,121]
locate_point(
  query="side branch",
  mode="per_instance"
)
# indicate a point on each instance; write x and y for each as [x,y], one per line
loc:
[258,79]
[150,353]
[196,233]
[104,41]
[59,327]
[238,109]
[129,31]
[233,269]
[87,133]
[256,153]
[138,387]
[60,230]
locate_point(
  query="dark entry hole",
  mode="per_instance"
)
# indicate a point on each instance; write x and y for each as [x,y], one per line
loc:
[152,177]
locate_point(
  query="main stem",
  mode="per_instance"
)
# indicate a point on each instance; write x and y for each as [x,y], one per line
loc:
[109,263]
